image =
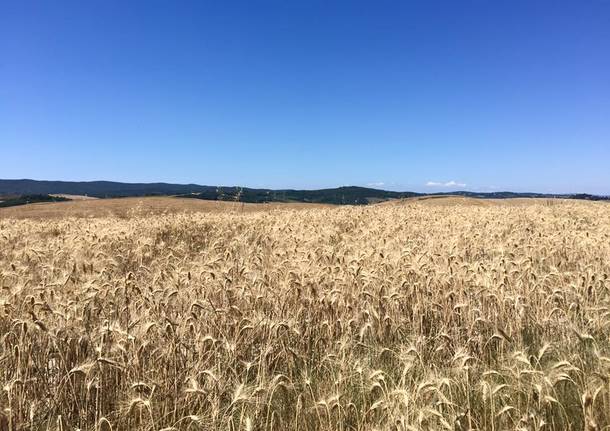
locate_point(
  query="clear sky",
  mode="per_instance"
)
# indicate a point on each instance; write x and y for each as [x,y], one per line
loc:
[410,95]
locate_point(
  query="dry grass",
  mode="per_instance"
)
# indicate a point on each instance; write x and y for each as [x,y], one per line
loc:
[74,197]
[389,317]
[130,207]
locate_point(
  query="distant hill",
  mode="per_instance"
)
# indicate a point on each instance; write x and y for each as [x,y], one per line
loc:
[107,189]
[511,195]
[341,195]
[29,199]
[98,189]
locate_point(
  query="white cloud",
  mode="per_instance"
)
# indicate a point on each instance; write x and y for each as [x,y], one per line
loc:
[447,184]
[376,184]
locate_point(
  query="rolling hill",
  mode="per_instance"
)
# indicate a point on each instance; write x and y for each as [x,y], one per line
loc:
[350,195]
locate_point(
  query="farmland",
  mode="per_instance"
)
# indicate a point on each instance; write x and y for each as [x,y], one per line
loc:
[447,313]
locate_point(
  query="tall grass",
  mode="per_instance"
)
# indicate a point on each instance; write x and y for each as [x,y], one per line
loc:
[393,317]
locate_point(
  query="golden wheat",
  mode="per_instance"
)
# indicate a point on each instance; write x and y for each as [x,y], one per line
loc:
[388,317]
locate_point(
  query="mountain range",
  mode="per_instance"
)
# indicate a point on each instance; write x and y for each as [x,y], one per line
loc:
[340,195]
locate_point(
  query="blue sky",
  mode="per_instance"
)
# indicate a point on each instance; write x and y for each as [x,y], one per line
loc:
[408,95]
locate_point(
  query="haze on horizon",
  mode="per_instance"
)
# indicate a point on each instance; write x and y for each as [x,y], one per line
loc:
[422,96]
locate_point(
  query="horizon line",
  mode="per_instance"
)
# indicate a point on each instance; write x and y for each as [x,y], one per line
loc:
[465,190]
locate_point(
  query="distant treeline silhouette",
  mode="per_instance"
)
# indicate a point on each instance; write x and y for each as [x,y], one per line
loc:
[348,195]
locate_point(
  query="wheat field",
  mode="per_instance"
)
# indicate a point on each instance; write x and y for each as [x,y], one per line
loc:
[402,316]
